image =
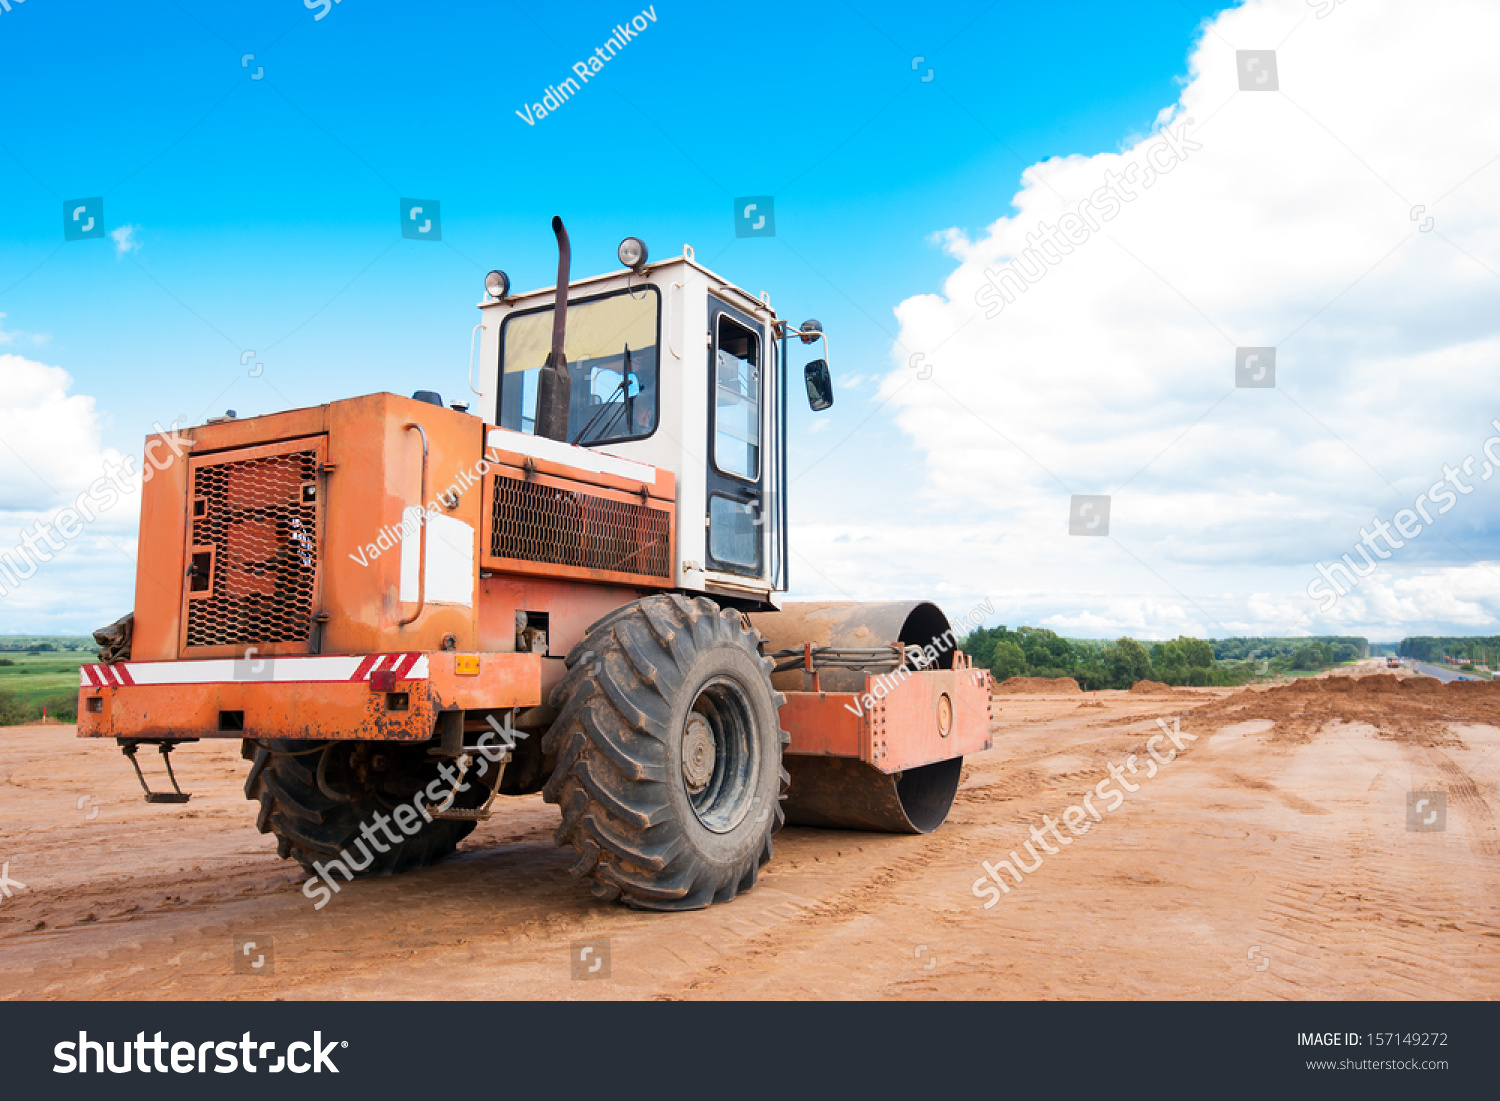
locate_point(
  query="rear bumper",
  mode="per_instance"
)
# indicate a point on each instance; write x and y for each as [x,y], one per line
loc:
[897,723]
[379,697]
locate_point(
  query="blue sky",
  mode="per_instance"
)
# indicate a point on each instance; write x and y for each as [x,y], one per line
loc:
[263,215]
[259,202]
[267,209]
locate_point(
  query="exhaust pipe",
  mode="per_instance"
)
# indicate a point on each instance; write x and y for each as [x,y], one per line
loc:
[554,387]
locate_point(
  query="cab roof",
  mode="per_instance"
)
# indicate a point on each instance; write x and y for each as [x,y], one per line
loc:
[686,258]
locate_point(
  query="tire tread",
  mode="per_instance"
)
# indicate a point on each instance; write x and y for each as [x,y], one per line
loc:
[610,742]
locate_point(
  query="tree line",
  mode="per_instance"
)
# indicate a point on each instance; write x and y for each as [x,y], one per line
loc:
[1484,648]
[1040,652]
[1183,661]
[1336,647]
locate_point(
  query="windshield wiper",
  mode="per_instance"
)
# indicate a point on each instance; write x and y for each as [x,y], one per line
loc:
[608,402]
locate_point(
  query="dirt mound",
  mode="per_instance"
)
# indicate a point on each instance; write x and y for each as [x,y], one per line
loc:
[1417,707]
[1152,688]
[1037,686]
[1425,686]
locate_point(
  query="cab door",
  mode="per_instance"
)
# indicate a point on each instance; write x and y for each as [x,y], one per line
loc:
[740,453]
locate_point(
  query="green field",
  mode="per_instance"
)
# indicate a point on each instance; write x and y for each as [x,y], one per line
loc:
[33,681]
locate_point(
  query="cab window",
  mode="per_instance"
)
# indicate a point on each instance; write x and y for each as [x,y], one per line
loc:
[736,400]
[611,349]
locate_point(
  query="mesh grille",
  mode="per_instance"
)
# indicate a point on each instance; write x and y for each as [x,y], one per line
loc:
[259,516]
[563,527]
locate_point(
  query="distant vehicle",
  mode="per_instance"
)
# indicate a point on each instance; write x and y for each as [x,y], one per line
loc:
[1393,664]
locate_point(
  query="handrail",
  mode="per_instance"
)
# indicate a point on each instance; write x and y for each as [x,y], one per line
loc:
[666,320]
[422,536]
[472,334]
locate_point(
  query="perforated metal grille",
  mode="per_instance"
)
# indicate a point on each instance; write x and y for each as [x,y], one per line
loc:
[254,534]
[564,527]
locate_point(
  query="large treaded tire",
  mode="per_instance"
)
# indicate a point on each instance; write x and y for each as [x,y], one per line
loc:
[636,683]
[310,825]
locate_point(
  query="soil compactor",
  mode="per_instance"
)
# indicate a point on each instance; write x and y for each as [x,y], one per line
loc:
[406,610]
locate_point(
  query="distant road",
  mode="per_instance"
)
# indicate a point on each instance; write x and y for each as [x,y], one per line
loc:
[1436,671]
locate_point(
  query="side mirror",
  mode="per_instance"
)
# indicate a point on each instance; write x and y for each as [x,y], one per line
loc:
[819,385]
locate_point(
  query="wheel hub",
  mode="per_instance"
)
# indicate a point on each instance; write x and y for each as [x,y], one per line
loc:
[945,715]
[698,754]
[721,757]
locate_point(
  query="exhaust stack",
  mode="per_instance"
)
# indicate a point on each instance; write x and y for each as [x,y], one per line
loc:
[554,387]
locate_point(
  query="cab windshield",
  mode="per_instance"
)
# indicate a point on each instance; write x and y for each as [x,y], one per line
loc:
[611,349]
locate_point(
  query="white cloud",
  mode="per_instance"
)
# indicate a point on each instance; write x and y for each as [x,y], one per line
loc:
[51,437]
[125,240]
[1465,599]
[1295,225]
[50,452]
[18,336]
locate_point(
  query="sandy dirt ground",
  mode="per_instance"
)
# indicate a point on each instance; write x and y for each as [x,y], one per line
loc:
[1272,858]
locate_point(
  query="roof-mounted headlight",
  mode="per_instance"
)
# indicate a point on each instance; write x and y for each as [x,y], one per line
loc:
[632,253]
[497,285]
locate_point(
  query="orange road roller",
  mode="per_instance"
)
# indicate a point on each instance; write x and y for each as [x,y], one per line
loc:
[407,610]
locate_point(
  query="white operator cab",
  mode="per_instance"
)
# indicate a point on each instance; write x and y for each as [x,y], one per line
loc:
[673,366]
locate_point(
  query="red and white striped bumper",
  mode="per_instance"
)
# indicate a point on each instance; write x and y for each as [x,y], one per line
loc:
[310,670]
[394,697]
